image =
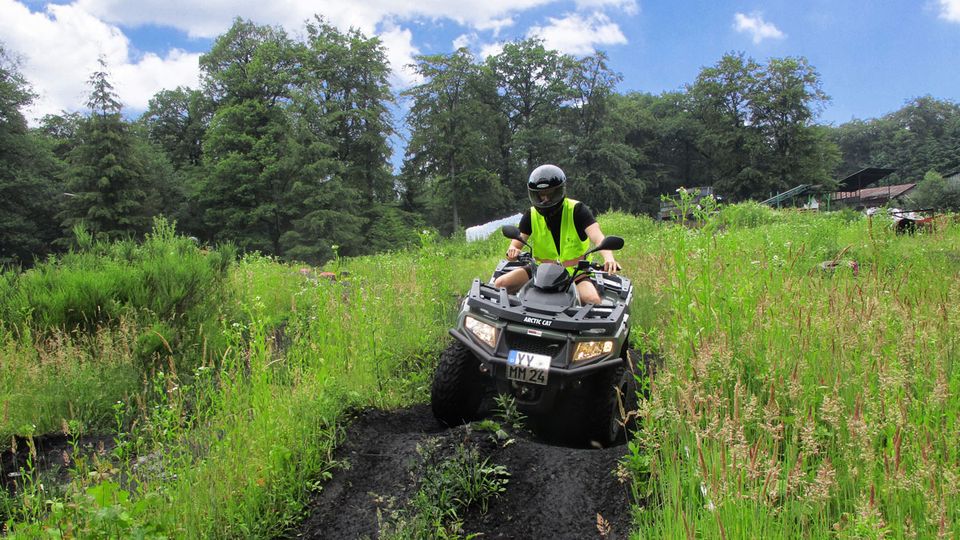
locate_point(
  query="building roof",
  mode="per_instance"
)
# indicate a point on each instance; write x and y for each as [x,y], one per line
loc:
[872,195]
[863,178]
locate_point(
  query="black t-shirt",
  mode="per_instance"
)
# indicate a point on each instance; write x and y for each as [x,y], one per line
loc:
[582,218]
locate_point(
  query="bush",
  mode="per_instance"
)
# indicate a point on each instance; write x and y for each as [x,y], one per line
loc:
[166,282]
[748,214]
[626,225]
[934,192]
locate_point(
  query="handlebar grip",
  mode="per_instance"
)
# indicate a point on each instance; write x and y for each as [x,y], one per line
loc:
[599,266]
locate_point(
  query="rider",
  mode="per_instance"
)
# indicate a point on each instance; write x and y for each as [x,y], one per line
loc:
[558,229]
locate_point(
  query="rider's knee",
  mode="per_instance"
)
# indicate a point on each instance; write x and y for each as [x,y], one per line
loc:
[589,294]
[590,299]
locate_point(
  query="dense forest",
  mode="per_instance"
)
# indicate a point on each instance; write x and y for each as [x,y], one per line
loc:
[284,148]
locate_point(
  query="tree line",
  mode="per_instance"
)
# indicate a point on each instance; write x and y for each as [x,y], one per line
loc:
[284,146]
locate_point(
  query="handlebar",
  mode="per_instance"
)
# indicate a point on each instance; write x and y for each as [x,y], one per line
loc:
[596,267]
[584,266]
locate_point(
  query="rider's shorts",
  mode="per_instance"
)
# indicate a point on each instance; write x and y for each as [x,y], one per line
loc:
[530,267]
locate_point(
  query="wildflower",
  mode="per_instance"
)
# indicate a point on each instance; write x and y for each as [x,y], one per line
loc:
[823,484]
[808,437]
[831,411]
[941,390]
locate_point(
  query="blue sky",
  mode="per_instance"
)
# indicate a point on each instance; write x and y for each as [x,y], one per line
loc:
[872,56]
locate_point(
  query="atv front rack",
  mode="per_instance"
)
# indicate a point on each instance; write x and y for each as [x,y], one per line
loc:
[591,319]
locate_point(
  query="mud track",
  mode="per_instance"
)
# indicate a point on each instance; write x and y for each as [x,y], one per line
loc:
[553,492]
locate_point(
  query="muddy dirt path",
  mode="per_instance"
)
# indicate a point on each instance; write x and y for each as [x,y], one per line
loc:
[553,492]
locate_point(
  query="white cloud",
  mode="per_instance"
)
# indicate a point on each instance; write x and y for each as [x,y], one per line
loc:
[211,17]
[490,49]
[628,7]
[576,34]
[495,24]
[464,40]
[400,52]
[60,48]
[758,28]
[60,44]
[137,83]
[950,10]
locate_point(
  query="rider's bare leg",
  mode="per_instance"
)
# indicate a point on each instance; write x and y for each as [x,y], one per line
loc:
[512,280]
[588,292]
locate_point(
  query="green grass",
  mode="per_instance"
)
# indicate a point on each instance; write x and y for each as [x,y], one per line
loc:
[801,403]
[58,378]
[793,401]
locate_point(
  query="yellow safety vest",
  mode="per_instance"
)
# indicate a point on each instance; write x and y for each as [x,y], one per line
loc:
[544,247]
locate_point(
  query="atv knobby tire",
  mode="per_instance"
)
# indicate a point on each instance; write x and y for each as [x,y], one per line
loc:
[458,386]
[615,400]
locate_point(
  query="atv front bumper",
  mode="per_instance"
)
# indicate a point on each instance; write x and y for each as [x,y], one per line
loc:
[534,398]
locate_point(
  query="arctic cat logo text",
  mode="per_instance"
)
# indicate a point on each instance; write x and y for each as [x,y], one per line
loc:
[534,320]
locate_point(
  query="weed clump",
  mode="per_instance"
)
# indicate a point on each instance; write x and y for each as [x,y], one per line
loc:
[450,483]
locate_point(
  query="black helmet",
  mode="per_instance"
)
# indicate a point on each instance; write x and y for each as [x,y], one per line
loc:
[547,186]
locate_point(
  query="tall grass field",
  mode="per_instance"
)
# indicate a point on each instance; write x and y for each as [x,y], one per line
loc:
[809,386]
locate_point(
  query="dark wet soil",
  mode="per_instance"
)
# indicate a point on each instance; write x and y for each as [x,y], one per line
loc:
[49,459]
[553,491]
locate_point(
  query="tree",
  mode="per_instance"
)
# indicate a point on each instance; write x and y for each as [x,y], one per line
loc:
[604,168]
[758,133]
[921,136]
[934,192]
[347,73]
[61,132]
[104,177]
[329,212]
[28,194]
[341,117]
[176,121]
[453,150]
[858,142]
[723,95]
[924,137]
[788,99]
[249,62]
[175,124]
[678,158]
[534,83]
[249,154]
[251,163]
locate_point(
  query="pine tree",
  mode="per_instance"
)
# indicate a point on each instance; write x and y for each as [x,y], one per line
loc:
[104,175]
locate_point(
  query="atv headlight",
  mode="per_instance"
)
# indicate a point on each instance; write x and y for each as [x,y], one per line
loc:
[588,350]
[486,333]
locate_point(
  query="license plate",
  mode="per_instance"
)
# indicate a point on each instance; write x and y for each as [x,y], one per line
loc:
[528,367]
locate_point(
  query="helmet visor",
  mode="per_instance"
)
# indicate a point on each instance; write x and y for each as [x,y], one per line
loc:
[545,198]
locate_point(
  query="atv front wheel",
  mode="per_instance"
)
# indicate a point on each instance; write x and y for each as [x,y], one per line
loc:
[457,386]
[616,402]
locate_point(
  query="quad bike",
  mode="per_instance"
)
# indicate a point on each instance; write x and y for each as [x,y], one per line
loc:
[567,365]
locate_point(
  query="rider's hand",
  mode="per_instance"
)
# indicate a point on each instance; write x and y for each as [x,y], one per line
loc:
[610,266]
[512,253]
